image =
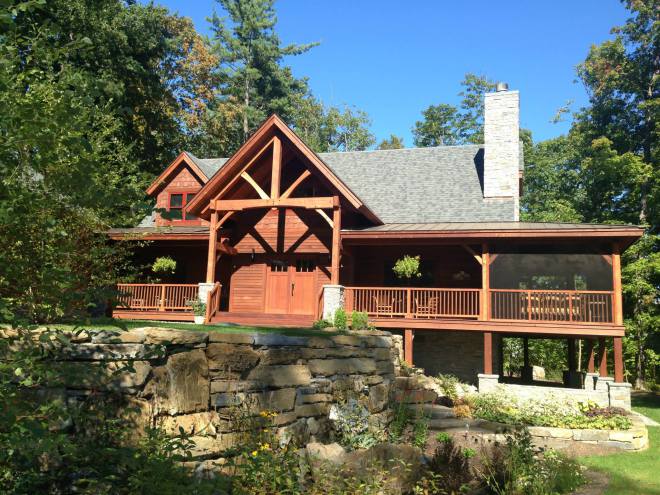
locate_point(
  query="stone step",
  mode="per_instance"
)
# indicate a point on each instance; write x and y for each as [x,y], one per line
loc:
[434,411]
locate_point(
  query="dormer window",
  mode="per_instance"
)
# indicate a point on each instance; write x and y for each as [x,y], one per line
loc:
[177,204]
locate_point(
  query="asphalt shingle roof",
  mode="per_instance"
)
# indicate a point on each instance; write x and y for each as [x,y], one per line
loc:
[413,185]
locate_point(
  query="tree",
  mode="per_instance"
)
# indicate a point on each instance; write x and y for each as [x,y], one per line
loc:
[391,143]
[348,129]
[606,168]
[445,124]
[250,55]
[440,126]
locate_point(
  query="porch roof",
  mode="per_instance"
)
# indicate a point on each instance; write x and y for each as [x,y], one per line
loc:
[625,234]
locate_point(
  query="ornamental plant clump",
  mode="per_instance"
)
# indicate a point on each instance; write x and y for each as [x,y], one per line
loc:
[359,320]
[164,264]
[550,411]
[407,267]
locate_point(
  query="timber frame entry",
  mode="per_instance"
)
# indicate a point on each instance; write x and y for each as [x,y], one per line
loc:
[275,174]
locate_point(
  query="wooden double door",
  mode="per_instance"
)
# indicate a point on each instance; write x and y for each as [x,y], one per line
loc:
[291,285]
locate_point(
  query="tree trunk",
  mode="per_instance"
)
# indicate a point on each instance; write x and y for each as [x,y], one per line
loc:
[246,105]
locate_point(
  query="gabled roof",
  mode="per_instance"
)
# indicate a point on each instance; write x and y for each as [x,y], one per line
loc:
[184,158]
[415,185]
[273,126]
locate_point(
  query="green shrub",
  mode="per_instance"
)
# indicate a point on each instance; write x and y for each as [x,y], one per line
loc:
[448,384]
[340,319]
[550,411]
[420,430]
[400,421]
[359,320]
[321,324]
[164,264]
[350,421]
[519,468]
[198,307]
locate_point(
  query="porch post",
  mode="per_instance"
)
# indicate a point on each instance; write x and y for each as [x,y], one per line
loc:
[617,300]
[485,283]
[618,360]
[590,352]
[336,245]
[408,336]
[602,364]
[488,353]
[213,238]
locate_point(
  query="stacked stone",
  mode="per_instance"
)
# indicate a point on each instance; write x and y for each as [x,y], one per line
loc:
[194,381]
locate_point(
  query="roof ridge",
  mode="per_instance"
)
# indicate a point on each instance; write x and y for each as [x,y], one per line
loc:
[404,149]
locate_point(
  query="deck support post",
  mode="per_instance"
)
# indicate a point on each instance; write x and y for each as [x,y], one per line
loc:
[591,356]
[213,238]
[618,360]
[527,373]
[408,336]
[488,353]
[336,243]
[602,361]
[617,300]
[485,283]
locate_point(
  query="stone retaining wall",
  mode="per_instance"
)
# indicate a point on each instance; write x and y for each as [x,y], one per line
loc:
[196,380]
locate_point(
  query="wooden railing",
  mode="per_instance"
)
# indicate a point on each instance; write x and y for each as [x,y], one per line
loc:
[414,303]
[156,297]
[213,302]
[513,305]
[551,305]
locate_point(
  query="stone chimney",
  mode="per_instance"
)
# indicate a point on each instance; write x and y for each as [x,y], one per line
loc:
[502,145]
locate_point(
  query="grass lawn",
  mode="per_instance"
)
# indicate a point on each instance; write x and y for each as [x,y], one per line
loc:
[112,324]
[634,473]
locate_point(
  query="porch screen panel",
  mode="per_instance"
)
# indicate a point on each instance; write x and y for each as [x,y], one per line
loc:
[551,284]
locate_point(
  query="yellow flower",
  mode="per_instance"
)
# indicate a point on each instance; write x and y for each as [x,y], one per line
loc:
[254,453]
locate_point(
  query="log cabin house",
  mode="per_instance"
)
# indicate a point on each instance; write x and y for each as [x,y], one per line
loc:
[280,235]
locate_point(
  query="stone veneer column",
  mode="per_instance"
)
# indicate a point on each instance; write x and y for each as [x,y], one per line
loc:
[590,381]
[204,289]
[333,299]
[620,395]
[502,146]
[487,383]
[603,383]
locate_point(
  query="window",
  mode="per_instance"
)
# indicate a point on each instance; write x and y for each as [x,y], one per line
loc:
[306,266]
[278,266]
[177,204]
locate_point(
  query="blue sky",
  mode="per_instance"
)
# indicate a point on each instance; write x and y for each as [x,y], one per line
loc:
[393,59]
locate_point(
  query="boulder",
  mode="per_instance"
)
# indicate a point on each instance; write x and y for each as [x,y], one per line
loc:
[200,424]
[182,385]
[378,397]
[329,367]
[231,357]
[402,462]
[133,336]
[168,336]
[274,339]
[282,355]
[207,447]
[107,352]
[332,452]
[231,338]
[115,375]
[280,376]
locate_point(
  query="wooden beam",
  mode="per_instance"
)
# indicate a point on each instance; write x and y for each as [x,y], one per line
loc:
[301,178]
[247,204]
[247,166]
[408,336]
[488,353]
[485,283]
[617,306]
[336,246]
[618,360]
[325,217]
[210,261]
[473,253]
[262,194]
[277,168]
[221,222]
[602,364]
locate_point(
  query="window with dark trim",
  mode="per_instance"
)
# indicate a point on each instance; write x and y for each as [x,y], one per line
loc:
[177,204]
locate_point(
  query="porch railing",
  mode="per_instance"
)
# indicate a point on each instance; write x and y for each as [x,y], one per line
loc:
[513,305]
[410,302]
[213,302]
[156,297]
[551,305]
